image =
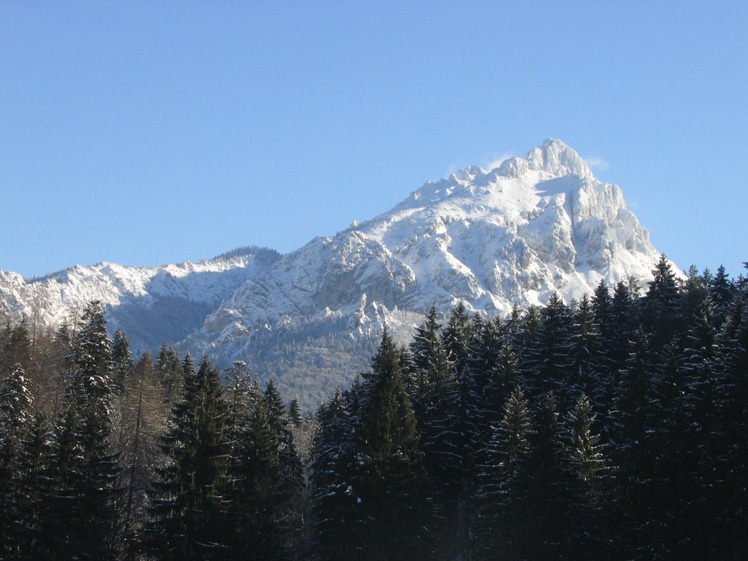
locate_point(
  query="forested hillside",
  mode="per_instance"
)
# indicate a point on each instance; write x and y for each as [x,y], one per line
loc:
[610,428]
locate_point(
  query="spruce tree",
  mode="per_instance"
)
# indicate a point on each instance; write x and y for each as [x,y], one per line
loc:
[601,306]
[491,377]
[429,358]
[589,373]
[456,337]
[265,491]
[16,348]
[623,324]
[693,496]
[258,501]
[632,446]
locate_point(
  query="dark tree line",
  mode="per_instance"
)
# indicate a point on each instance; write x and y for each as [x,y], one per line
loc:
[612,428]
[141,459]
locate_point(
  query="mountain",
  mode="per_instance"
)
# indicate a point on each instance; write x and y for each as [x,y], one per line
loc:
[312,318]
[488,238]
[151,304]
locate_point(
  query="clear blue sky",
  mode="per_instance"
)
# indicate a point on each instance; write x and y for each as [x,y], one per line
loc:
[145,133]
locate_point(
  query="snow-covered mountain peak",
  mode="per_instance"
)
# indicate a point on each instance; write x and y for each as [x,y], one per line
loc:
[552,157]
[551,160]
[491,239]
[512,167]
[466,175]
[556,158]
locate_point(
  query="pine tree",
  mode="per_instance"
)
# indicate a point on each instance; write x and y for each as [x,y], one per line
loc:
[170,373]
[15,404]
[83,470]
[662,305]
[722,292]
[334,468]
[187,505]
[391,482]
[536,502]
[548,357]
[729,434]
[434,397]
[294,412]
[503,461]
[141,419]
[32,491]
[588,487]
[122,362]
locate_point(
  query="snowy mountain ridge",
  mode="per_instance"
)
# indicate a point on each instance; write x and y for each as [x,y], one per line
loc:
[150,303]
[491,239]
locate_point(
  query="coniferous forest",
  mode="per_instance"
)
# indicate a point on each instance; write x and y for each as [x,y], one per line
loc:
[611,428]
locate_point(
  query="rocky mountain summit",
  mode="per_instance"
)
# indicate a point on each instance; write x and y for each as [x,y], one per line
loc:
[491,239]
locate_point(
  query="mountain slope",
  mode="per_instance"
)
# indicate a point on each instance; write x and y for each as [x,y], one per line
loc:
[489,238]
